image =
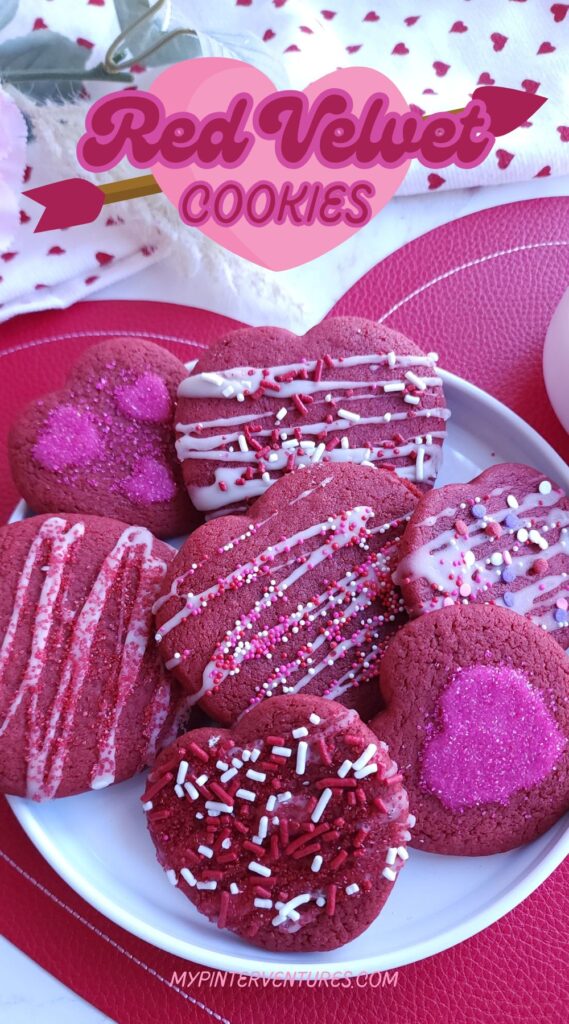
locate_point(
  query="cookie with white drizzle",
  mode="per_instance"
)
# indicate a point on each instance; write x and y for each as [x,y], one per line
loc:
[262,402]
[502,539]
[289,829]
[296,595]
[477,717]
[84,698]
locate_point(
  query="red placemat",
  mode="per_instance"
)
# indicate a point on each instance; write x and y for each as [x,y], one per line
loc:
[481,292]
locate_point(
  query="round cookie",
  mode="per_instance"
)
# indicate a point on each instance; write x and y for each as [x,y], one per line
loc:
[289,829]
[104,444]
[295,595]
[478,720]
[84,698]
[503,538]
[264,401]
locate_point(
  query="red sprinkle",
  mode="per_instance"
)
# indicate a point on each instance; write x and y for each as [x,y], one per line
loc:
[339,859]
[331,891]
[153,790]
[223,908]
[199,752]
[300,405]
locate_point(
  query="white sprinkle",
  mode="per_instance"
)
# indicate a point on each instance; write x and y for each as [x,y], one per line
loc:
[389,874]
[187,876]
[287,910]
[246,755]
[256,776]
[226,844]
[512,501]
[522,535]
[222,766]
[350,890]
[266,477]
[402,853]
[387,417]
[365,756]
[205,851]
[300,732]
[411,399]
[283,797]
[263,828]
[201,780]
[273,457]
[229,391]
[317,863]
[391,855]
[344,769]
[394,385]
[328,397]
[242,441]
[344,443]
[233,889]
[213,378]
[301,753]
[320,901]
[314,718]
[391,359]
[318,811]
[219,808]
[263,904]
[368,770]
[281,751]
[420,464]
[259,869]
[236,762]
[206,885]
[545,487]
[147,806]
[182,772]
[179,791]
[411,821]
[291,443]
[281,414]
[496,558]
[191,790]
[271,802]
[228,775]
[255,754]
[319,452]
[346,414]
[172,876]
[469,558]
[419,382]
[246,794]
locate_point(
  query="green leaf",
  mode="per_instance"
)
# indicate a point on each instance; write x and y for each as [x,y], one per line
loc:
[151,32]
[32,64]
[8,9]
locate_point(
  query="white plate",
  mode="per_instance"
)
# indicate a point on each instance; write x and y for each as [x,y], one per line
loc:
[99,844]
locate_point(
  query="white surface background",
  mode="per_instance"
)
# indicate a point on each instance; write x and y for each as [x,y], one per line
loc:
[26,991]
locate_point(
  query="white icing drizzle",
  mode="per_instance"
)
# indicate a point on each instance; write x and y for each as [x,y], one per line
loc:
[49,735]
[255,460]
[461,554]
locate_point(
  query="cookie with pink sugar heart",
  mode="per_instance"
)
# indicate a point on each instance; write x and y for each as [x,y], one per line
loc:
[477,719]
[104,444]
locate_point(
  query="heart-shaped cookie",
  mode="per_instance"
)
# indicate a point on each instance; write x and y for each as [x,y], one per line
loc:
[295,596]
[104,444]
[84,698]
[503,538]
[289,830]
[263,402]
[478,719]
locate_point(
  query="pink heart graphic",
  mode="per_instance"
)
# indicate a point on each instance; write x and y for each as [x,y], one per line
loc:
[209,84]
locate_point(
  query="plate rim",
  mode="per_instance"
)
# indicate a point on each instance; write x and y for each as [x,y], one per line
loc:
[186,950]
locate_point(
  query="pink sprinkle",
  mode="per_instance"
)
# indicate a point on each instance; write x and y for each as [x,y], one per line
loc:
[562,603]
[465,590]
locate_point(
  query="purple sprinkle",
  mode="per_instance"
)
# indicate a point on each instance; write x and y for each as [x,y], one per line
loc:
[508,574]
[508,599]
[561,615]
[512,521]
[478,511]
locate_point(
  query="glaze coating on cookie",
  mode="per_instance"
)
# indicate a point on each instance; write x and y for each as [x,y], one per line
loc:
[477,718]
[289,830]
[503,539]
[104,444]
[295,596]
[263,402]
[84,697]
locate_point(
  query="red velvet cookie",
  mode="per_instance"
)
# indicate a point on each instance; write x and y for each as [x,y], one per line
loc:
[289,830]
[104,444]
[84,697]
[295,595]
[503,538]
[263,402]
[478,720]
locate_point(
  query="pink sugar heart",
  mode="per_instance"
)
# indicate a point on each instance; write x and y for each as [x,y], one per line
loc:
[69,438]
[440,68]
[498,41]
[150,481]
[147,400]
[201,86]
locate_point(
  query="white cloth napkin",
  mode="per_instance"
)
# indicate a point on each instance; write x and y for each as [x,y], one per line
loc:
[436,53]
